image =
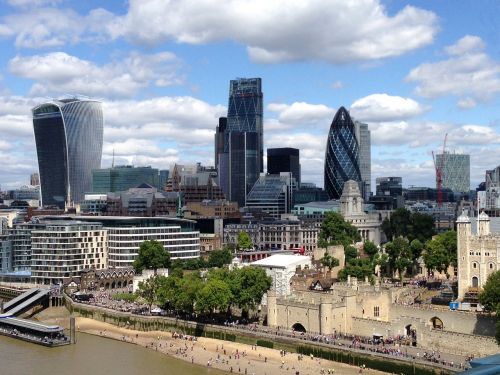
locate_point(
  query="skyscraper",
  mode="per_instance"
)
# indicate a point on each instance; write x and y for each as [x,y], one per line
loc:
[342,154]
[455,172]
[239,159]
[363,137]
[285,159]
[68,136]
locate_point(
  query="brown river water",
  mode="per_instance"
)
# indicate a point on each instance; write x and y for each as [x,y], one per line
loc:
[92,355]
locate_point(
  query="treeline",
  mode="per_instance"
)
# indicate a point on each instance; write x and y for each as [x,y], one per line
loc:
[218,290]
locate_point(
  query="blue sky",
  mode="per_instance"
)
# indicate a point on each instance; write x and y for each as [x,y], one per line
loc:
[413,71]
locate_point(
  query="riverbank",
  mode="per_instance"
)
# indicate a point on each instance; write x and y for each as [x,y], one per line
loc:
[207,352]
[227,356]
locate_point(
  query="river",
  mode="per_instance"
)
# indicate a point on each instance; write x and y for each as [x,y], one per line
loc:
[92,355]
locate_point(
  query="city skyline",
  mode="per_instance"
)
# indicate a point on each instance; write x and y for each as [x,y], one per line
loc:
[412,73]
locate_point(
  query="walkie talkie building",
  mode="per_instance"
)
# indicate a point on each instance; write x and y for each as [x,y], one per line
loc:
[68,137]
[342,154]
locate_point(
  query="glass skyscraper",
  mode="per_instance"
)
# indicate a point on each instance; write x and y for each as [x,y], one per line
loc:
[342,154]
[239,141]
[122,178]
[456,171]
[284,159]
[68,137]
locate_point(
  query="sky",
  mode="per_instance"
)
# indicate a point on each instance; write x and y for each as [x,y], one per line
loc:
[413,71]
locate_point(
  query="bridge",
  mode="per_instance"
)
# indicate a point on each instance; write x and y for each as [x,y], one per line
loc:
[25,301]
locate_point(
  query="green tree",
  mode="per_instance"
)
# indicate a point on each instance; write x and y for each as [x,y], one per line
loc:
[188,288]
[219,258]
[400,256]
[214,295]
[403,223]
[329,261]
[149,288]
[151,256]
[359,268]
[350,253]
[490,298]
[370,249]
[422,227]
[248,285]
[336,231]
[244,241]
[441,252]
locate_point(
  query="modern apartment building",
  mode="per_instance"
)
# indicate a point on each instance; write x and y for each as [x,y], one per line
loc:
[69,138]
[62,249]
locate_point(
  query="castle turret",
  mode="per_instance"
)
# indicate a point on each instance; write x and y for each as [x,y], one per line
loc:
[463,233]
[483,224]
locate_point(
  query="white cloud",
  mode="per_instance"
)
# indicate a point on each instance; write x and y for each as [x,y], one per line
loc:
[336,32]
[383,107]
[52,27]
[468,73]
[302,114]
[58,72]
[466,103]
[32,3]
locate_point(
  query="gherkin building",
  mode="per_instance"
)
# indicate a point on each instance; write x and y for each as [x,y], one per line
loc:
[342,154]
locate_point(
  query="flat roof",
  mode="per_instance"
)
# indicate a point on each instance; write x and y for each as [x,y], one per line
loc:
[23,323]
[104,219]
[282,261]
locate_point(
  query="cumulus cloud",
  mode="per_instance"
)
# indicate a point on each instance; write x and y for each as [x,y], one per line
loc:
[307,30]
[468,73]
[52,27]
[302,114]
[58,72]
[383,107]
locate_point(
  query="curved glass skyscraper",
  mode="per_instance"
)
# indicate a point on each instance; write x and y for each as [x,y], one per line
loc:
[68,136]
[342,154]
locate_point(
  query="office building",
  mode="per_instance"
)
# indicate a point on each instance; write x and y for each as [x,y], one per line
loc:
[342,154]
[364,142]
[388,193]
[492,189]
[240,159]
[272,194]
[309,192]
[285,159]
[195,182]
[34,179]
[164,173]
[68,137]
[455,172]
[122,178]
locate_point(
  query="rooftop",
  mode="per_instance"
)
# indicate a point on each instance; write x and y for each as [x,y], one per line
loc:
[282,261]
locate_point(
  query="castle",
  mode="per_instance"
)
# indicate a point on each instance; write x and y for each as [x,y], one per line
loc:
[478,254]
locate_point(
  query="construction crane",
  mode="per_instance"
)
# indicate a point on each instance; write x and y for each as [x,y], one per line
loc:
[439,173]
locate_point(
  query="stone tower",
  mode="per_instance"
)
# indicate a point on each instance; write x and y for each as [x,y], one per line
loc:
[463,234]
[351,202]
[483,224]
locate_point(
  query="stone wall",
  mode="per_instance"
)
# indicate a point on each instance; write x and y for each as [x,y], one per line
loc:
[456,321]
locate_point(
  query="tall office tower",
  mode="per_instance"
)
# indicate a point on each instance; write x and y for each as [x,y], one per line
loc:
[342,154]
[240,158]
[285,159]
[492,187]
[365,164]
[122,178]
[455,172]
[34,179]
[68,136]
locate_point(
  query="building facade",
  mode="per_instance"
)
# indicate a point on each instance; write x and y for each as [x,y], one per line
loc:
[62,249]
[352,209]
[122,178]
[455,171]
[478,254]
[342,154]
[69,138]
[284,159]
[125,235]
[272,194]
[239,140]
[365,159]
